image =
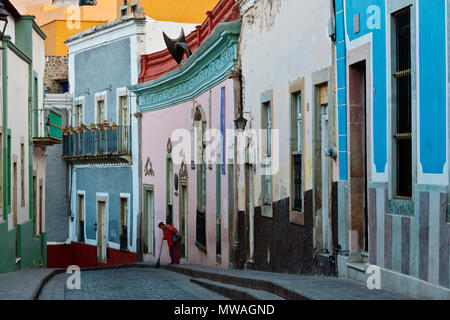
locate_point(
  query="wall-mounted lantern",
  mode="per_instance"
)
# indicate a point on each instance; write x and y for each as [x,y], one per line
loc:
[3,20]
[240,123]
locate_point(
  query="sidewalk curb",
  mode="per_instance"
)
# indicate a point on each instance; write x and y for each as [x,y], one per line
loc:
[232,293]
[256,284]
[38,290]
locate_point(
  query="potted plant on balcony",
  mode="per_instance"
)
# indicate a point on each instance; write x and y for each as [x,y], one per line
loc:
[66,131]
[71,131]
[114,126]
[78,128]
[106,124]
[92,126]
[84,128]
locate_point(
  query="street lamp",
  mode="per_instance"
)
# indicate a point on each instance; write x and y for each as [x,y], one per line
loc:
[240,123]
[3,19]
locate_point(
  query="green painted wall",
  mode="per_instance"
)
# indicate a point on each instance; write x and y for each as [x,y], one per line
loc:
[7,248]
[30,246]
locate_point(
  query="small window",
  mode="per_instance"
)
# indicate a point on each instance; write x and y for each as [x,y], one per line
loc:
[267,125]
[80,215]
[123,111]
[101,115]
[267,191]
[169,190]
[133,7]
[123,223]
[22,174]
[78,114]
[123,11]
[296,138]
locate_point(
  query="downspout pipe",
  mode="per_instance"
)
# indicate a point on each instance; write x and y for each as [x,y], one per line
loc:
[4,71]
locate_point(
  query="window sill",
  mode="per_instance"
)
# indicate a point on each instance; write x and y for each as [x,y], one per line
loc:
[297,217]
[267,211]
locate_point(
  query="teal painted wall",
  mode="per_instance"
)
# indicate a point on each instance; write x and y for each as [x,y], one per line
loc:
[7,248]
[30,246]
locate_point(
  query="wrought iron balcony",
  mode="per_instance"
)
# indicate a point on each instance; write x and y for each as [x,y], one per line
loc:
[47,129]
[98,145]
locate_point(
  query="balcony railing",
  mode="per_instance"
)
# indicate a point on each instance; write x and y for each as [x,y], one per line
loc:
[98,145]
[47,129]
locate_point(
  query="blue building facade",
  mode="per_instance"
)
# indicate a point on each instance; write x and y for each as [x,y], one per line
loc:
[101,144]
[392,106]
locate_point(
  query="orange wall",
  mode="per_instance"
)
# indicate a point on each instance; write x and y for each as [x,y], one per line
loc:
[57,32]
[60,22]
[186,11]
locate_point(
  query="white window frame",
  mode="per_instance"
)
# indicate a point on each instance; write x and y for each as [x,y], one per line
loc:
[78,101]
[133,4]
[101,96]
[123,8]
[122,92]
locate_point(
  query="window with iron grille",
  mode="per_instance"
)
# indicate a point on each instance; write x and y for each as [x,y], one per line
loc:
[402,149]
[296,148]
[267,125]
[169,190]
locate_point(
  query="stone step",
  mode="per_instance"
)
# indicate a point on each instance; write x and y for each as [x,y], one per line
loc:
[235,292]
[357,271]
[365,256]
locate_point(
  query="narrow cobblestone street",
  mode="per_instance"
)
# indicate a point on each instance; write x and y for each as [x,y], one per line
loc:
[127,284]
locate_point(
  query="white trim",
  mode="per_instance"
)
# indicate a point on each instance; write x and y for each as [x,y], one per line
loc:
[115,33]
[136,51]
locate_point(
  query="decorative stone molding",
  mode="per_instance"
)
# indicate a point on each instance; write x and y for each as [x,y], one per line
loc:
[207,67]
[183,174]
[148,169]
[169,146]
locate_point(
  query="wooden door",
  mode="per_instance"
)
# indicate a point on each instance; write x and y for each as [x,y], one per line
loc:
[101,231]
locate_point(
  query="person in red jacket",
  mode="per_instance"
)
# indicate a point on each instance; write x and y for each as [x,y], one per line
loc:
[174,246]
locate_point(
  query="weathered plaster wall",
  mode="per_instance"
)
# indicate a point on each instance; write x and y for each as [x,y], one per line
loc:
[271,61]
[18,123]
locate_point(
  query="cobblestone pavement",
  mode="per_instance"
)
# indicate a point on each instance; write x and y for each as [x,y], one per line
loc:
[127,284]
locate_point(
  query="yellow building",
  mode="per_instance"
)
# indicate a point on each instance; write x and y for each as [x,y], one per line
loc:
[184,11]
[60,22]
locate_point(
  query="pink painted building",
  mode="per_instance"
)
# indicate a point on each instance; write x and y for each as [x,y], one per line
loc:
[187,179]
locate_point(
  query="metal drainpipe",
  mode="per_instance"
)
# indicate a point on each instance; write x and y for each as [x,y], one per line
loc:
[236,75]
[333,250]
[139,221]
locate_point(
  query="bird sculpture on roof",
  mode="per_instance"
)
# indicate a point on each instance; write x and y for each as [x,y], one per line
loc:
[177,47]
